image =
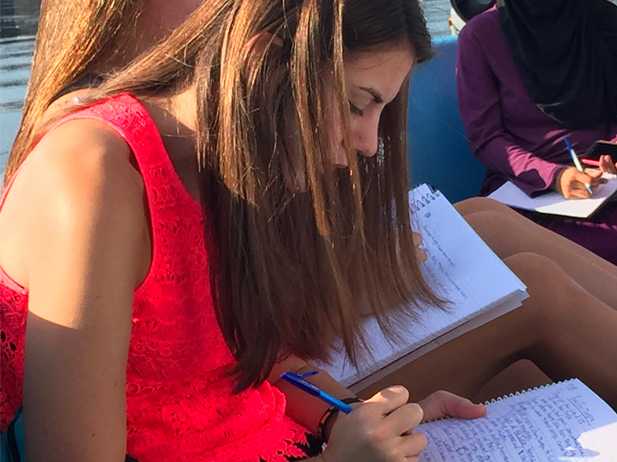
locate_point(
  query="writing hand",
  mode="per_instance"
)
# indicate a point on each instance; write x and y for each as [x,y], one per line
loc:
[445,404]
[378,430]
[570,183]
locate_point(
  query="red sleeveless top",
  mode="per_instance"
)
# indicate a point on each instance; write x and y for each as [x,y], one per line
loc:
[180,405]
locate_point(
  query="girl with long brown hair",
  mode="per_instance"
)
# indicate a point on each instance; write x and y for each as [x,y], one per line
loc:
[164,293]
[81,41]
[180,282]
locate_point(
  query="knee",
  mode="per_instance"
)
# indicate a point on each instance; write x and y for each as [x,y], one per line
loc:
[480,204]
[487,218]
[499,230]
[496,221]
[534,267]
[551,290]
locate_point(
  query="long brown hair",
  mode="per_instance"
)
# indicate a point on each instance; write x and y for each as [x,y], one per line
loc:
[75,38]
[293,270]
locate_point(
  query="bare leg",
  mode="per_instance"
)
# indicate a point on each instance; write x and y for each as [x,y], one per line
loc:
[508,233]
[521,375]
[562,328]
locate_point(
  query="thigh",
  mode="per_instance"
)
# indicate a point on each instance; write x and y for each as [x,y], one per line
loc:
[598,235]
[521,375]
[480,204]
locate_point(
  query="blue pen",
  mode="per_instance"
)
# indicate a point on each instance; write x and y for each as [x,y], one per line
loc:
[298,381]
[577,162]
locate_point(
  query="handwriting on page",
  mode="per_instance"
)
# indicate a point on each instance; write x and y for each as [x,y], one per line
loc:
[542,425]
[441,267]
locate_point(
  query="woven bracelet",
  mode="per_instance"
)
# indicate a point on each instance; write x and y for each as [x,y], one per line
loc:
[329,414]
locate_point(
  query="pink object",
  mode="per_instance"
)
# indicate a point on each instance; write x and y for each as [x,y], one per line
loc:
[180,405]
[591,162]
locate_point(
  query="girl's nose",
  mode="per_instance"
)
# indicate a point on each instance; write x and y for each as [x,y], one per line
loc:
[366,139]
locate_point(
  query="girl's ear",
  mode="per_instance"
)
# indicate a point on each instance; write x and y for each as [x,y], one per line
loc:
[261,42]
[262,47]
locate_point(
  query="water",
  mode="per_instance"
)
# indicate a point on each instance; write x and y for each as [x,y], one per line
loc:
[16,54]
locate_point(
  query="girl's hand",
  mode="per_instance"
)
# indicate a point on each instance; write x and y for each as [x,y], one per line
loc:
[420,252]
[378,430]
[570,183]
[445,404]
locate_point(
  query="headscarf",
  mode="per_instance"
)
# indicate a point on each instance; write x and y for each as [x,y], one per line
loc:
[566,51]
[467,9]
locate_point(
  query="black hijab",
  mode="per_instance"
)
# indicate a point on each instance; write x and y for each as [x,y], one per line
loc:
[566,51]
[467,9]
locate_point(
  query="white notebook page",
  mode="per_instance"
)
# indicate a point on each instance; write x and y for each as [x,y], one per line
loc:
[562,422]
[460,268]
[553,202]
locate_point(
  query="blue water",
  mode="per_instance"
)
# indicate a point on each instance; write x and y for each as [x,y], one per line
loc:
[16,55]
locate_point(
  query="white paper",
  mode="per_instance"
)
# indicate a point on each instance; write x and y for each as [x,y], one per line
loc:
[554,203]
[460,268]
[563,422]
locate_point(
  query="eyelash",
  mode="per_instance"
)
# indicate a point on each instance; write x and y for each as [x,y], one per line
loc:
[355,109]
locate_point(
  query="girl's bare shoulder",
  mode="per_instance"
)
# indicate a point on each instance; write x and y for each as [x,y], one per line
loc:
[80,160]
[79,178]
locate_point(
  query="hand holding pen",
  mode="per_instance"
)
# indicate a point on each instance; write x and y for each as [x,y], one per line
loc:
[575,182]
[380,430]
[577,163]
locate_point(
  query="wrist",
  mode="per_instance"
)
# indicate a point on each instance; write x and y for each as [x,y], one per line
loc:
[556,185]
[328,419]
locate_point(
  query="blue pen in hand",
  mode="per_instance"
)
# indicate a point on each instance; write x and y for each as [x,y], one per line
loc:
[577,162]
[298,381]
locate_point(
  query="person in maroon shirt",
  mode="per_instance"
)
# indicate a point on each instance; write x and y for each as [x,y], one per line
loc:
[516,130]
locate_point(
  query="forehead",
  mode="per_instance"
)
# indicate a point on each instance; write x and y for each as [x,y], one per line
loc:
[384,70]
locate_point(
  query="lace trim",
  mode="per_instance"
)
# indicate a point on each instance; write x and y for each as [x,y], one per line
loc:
[13,309]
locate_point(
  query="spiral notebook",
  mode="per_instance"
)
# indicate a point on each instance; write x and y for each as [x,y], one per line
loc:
[461,269]
[565,422]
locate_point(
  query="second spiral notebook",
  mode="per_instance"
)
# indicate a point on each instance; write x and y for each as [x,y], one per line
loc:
[561,422]
[461,269]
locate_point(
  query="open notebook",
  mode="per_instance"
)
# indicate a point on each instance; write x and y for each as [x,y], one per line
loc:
[553,203]
[460,268]
[565,422]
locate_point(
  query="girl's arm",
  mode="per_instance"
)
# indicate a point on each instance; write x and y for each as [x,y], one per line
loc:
[479,99]
[84,232]
[307,410]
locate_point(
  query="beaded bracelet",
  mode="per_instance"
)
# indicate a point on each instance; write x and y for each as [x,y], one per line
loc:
[330,413]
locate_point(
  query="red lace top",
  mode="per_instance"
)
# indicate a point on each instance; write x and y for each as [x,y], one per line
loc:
[179,402]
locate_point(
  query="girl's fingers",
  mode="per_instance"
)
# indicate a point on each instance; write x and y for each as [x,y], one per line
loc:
[607,165]
[389,399]
[405,419]
[413,445]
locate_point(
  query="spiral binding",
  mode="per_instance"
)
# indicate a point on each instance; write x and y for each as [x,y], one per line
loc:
[422,201]
[510,395]
[522,392]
